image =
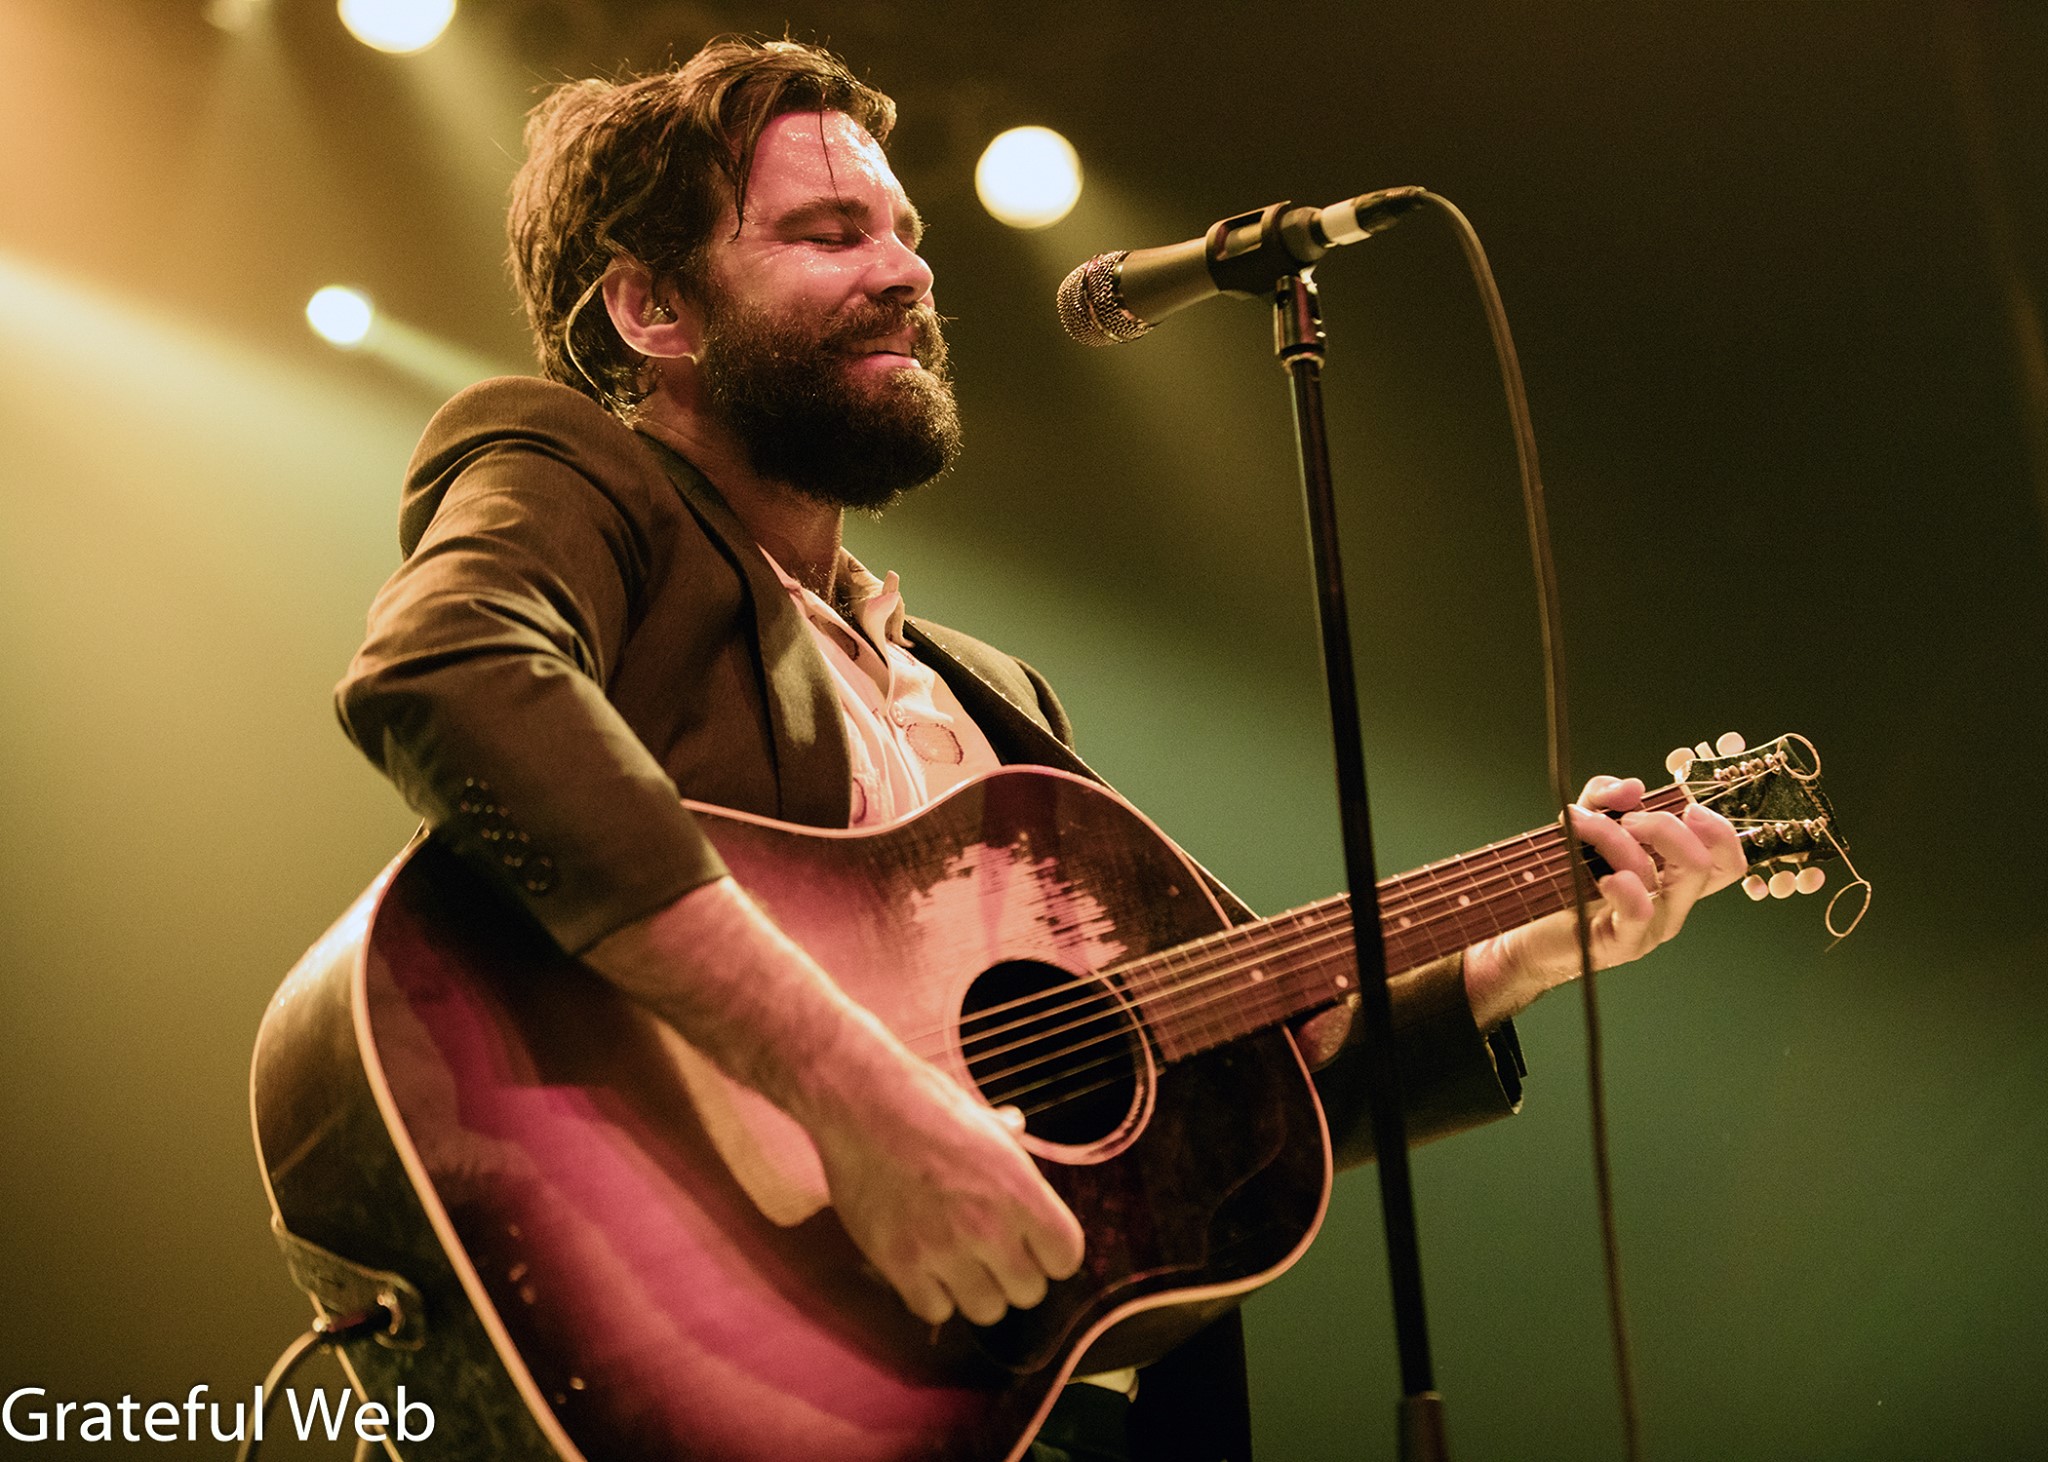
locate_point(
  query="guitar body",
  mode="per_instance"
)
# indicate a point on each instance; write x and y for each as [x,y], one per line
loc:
[624,1258]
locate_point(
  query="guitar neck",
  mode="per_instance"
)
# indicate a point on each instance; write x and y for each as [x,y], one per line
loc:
[1245,979]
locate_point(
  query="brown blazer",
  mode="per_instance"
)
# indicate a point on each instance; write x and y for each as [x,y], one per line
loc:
[581,627]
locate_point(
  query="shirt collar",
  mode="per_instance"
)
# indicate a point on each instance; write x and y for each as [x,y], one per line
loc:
[876,604]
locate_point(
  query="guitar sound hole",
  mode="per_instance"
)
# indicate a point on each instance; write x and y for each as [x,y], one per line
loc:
[1058,1047]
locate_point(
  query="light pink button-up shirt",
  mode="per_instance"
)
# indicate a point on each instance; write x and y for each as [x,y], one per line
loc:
[909,740]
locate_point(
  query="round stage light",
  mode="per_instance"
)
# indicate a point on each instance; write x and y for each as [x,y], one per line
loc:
[398,26]
[340,316]
[1029,177]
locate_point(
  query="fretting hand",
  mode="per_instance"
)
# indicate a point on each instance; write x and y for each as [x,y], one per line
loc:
[1663,864]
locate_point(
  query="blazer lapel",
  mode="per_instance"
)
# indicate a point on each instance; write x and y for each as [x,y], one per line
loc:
[1016,735]
[813,770]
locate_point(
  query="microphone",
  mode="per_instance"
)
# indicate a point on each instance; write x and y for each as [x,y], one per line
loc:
[1117,297]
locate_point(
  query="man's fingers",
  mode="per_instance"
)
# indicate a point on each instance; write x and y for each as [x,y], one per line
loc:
[1000,1272]
[1612,794]
[1625,928]
[975,1291]
[1054,1236]
[1724,848]
[1057,1242]
[994,1253]
[1616,844]
[924,1296]
[1019,1275]
[1698,853]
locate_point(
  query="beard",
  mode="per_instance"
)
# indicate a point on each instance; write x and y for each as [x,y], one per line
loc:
[788,390]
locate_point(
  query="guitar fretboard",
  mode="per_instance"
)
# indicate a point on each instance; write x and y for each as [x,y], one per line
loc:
[1200,995]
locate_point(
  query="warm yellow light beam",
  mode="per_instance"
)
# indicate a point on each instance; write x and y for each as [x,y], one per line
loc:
[398,26]
[436,363]
[346,319]
[233,16]
[1029,177]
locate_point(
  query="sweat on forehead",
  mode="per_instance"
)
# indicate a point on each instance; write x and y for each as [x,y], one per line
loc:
[813,166]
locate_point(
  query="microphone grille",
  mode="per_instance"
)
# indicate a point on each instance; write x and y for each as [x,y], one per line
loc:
[1091,304]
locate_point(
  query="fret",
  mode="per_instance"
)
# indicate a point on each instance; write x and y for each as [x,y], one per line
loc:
[1202,994]
[1398,931]
[1515,881]
[1434,935]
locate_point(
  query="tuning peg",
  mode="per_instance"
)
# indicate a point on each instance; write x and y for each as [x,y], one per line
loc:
[1756,888]
[1730,742]
[1782,883]
[1810,880]
[1703,751]
[1679,760]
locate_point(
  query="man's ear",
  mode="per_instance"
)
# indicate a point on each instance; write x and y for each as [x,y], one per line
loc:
[650,318]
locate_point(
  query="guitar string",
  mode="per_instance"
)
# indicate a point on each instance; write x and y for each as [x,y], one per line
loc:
[1279,947]
[1266,944]
[1545,844]
[1291,975]
[1113,1062]
[1195,1003]
[1266,937]
[1858,881]
[1110,1061]
[1209,994]
[1540,852]
[1197,1000]
[1279,1007]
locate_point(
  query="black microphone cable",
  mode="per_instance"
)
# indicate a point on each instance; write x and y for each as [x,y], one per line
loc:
[1118,297]
[1558,727]
[324,1334]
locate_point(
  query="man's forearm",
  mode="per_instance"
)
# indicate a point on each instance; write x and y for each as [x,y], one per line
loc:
[930,1183]
[718,970]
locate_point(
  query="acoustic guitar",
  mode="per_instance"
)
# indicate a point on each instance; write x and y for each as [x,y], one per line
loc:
[595,1246]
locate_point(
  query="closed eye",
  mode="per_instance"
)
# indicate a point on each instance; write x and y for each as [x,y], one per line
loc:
[836,223]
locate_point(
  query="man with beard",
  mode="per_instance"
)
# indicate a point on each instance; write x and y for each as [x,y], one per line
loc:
[628,580]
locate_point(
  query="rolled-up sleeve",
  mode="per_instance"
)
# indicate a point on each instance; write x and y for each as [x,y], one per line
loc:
[480,689]
[1453,1075]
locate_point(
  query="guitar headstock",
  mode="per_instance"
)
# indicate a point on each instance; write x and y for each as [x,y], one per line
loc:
[1772,795]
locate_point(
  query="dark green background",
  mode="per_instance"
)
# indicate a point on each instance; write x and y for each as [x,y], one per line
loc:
[1764,263]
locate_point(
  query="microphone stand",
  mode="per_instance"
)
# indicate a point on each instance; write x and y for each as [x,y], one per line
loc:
[1298,341]
[1272,252]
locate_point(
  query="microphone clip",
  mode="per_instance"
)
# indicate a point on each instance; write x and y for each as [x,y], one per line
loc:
[1250,254]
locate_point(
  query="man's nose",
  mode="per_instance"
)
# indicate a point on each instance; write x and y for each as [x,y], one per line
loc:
[899,272]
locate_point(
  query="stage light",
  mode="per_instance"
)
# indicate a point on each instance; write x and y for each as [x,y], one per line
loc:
[340,316]
[398,26]
[1029,177]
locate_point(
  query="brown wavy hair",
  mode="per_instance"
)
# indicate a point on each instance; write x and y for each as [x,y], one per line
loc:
[642,169]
